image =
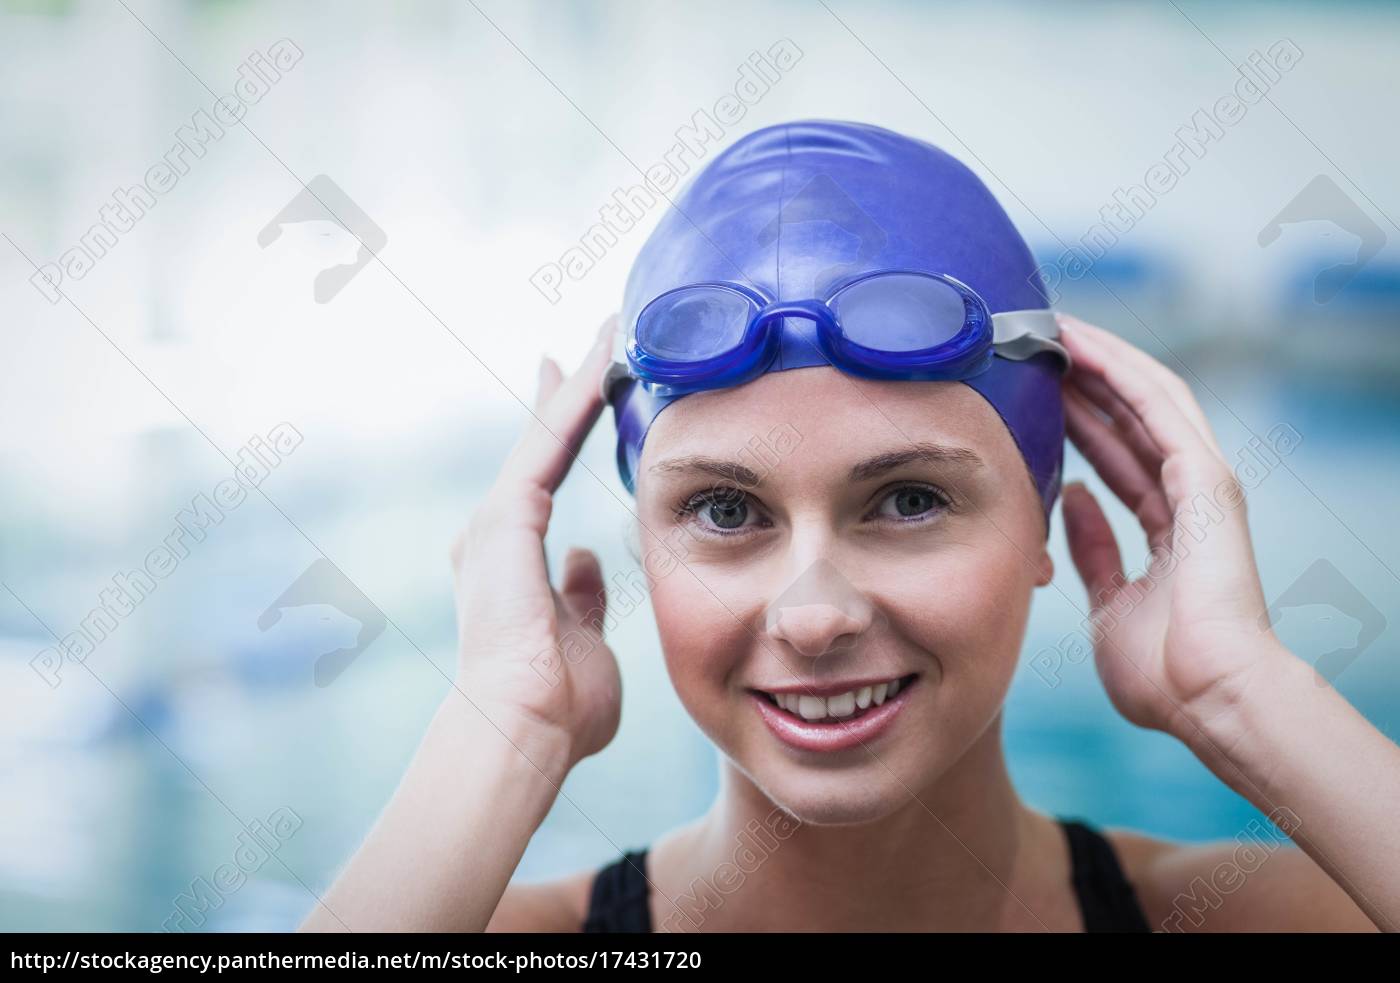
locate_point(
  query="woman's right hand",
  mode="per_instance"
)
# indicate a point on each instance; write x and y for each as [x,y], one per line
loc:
[532,658]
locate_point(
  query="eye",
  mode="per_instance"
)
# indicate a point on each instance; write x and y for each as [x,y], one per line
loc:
[723,511]
[911,503]
[728,513]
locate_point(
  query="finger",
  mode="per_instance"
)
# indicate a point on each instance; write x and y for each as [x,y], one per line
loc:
[1108,452]
[1092,545]
[551,441]
[1105,400]
[583,589]
[1190,466]
[1207,500]
[1172,384]
[548,381]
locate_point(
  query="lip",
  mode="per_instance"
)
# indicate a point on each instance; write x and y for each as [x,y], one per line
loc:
[839,735]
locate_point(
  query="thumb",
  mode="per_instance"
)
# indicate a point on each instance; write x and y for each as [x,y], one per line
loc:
[1092,545]
[583,588]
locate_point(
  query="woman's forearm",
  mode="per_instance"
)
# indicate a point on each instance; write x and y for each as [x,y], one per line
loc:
[1305,757]
[440,856]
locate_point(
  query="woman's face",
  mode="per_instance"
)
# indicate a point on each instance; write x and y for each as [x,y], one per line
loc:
[810,539]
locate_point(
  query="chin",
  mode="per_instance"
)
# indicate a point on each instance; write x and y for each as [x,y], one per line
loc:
[835,801]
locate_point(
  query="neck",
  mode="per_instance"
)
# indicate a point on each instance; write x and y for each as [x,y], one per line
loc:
[954,856]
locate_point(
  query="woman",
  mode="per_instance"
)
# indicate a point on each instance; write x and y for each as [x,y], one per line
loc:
[844,621]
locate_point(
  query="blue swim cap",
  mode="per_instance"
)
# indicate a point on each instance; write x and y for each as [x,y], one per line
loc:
[794,208]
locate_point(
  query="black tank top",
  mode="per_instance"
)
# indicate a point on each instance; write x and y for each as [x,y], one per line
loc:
[1106,898]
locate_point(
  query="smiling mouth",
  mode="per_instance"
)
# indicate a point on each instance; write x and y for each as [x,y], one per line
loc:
[839,708]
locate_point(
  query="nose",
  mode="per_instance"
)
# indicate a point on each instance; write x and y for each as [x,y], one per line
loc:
[816,629]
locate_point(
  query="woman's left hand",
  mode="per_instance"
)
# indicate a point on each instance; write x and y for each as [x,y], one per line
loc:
[1178,646]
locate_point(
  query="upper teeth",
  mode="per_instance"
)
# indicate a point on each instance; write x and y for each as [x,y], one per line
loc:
[817,707]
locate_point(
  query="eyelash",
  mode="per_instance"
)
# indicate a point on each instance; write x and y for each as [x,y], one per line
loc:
[689,508]
[942,501]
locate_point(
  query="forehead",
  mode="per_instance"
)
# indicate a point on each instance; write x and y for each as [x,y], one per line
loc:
[819,417]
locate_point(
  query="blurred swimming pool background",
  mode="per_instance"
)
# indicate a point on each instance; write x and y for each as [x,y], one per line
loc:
[483,139]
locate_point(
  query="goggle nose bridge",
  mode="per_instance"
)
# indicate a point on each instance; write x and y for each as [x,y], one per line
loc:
[770,320]
[810,310]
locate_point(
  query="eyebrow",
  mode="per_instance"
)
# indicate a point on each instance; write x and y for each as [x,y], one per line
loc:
[714,467]
[880,464]
[870,468]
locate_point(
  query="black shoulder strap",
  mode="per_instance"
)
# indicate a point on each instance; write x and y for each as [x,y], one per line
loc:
[1106,898]
[618,902]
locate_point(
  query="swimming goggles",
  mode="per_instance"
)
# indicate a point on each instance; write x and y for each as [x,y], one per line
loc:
[893,324]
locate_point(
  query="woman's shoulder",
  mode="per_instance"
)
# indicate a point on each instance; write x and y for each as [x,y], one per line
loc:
[558,905]
[1255,883]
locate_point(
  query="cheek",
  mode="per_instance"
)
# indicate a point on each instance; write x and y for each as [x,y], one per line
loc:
[966,607]
[703,631]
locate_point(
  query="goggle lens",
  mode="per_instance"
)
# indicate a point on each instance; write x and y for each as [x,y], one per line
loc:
[900,312]
[694,324]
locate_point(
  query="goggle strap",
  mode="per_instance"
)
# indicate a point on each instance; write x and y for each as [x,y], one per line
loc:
[617,371]
[1019,335]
